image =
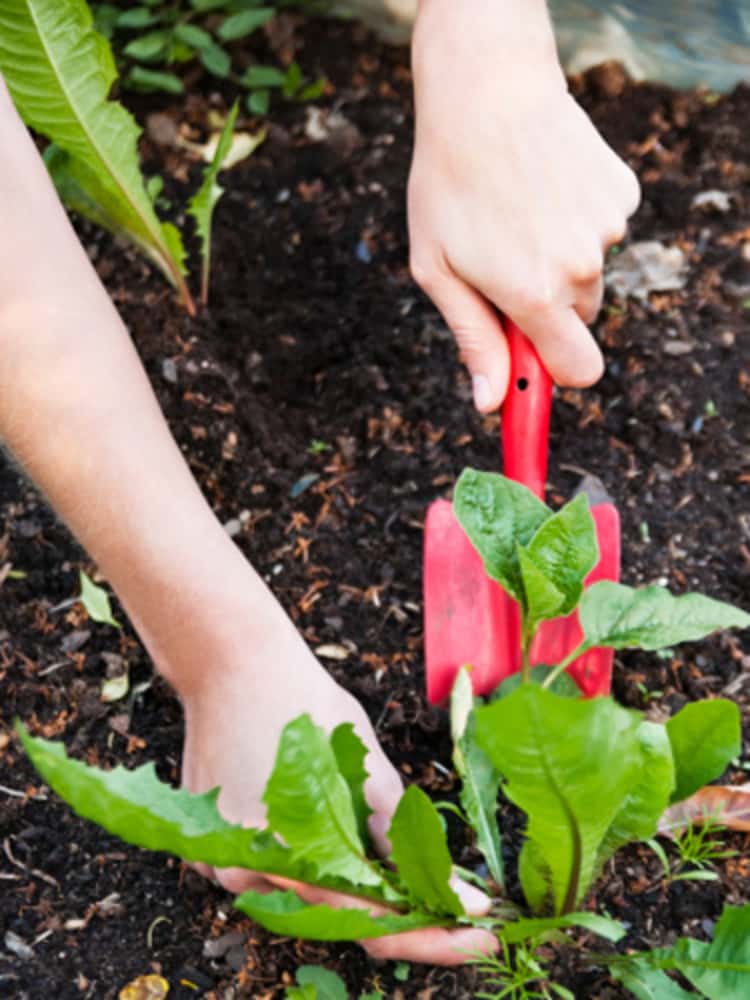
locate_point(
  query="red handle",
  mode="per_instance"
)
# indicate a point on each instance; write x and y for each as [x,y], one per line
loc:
[526,413]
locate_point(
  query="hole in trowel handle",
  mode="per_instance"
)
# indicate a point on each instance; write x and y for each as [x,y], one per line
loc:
[523,384]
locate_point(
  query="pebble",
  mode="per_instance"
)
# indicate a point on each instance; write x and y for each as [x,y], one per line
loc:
[18,946]
[218,947]
[169,370]
[233,527]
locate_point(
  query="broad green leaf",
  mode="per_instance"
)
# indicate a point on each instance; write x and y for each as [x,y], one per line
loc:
[420,851]
[96,601]
[244,23]
[293,80]
[193,36]
[648,796]
[151,81]
[542,599]
[350,753]
[206,5]
[262,76]
[562,552]
[136,17]
[309,806]
[719,969]
[648,983]
[59,72]
[480,781]
[563,684]
[105,19]
[651,618]
[148,47]
[285,913]
[570,766]
[498,514]
[216,60]
[140,809]
[328,985]
[258,102]
[705,737]
[201,206]
[526,930]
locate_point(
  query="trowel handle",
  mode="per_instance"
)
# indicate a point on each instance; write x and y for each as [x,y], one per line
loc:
[525,413]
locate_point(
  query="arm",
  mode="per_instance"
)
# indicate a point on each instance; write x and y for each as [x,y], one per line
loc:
[77,409]
[514,197]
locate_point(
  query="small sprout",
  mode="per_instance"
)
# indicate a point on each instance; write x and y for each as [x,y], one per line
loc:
[318,447]
[96,601]
[645,532]
[709,410]
[402,972]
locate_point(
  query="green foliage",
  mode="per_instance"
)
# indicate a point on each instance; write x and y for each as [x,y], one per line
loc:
[719,970]
[697,850]
[572,766]
[317,983]
[201,206]
[60,71]
[517,974]
[480,781]
[350,753]
[704,736]
[152,40]
[96,601]
[419,850]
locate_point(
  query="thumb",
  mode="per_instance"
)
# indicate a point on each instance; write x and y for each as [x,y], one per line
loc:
[479,334]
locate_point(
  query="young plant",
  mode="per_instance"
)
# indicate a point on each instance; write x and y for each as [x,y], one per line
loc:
[60,71]
[591,776]
[317,983]
[697,849]
[517,973]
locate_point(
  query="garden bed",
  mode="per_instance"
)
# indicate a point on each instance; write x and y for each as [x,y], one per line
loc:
[315,335]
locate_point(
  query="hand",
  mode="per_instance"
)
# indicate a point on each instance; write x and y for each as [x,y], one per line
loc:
[514,197]
[233,724]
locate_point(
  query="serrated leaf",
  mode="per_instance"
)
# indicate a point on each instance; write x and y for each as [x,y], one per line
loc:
[350,753]
[569,765]
[60,71]
[309,806]
[420,851]
[719,969]
[619,617]
[498,515]
[285,913]
[648,983]
[328,985]
[527,930]
[96,601]
[705,737]
[244,22]
[201,206]
[562,553]
[480,781]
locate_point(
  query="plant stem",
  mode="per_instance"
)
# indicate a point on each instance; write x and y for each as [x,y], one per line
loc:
[552,676]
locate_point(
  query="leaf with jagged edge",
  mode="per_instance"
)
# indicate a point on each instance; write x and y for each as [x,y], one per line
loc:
[60,71]
[350,754]
[142,810]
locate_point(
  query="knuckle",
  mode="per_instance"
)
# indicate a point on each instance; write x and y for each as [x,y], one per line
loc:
[535,298]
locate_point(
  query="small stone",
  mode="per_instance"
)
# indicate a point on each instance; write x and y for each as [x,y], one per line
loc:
[74,641]
[218,947]
[235,957]
[169,371]
[717,201]
[679,347]
[727,338]
[18,946]
[233,527]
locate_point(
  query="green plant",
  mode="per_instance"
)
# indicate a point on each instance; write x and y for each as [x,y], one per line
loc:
[154,37]
[317,983]
[697,850]
[60,71]
[517,973]
[590,775]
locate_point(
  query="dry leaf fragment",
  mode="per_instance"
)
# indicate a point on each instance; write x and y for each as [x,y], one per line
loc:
[145,988]
[728,805]
[332,651]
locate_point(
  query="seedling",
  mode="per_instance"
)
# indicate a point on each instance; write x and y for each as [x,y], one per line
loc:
[590,775]
[517,974]
[60,72]
[698,850]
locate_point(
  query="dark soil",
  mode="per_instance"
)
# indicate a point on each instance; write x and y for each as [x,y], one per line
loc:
[315,332]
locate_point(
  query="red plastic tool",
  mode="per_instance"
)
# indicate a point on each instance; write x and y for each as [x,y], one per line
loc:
[468,617]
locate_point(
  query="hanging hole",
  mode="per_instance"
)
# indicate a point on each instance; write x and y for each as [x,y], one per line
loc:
[523,384]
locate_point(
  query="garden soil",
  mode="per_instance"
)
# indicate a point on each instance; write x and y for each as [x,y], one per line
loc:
[320,404]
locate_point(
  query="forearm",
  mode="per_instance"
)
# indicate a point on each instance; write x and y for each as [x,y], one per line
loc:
[78,412]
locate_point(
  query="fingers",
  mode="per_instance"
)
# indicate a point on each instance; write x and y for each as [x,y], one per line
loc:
[568,351]
[237,880]
[475,902]
[434,946]
[476,327]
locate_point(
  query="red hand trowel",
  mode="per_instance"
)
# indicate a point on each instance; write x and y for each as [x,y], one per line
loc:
[469,619]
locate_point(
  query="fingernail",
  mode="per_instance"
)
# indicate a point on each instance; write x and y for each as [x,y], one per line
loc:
[482,392]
